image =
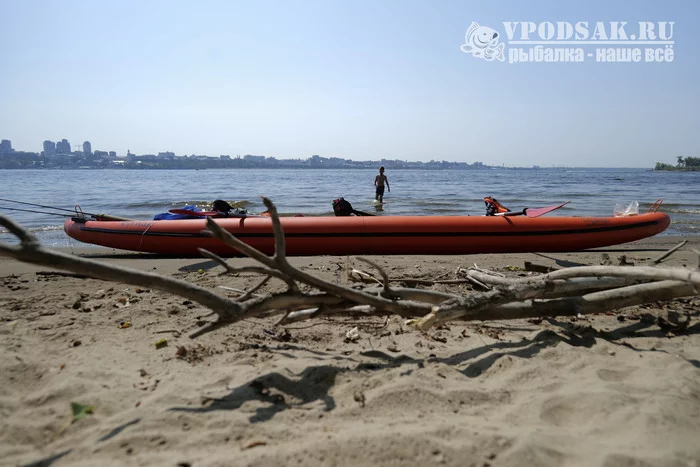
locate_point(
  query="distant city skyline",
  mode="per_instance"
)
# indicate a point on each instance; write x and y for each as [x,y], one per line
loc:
[351,79]
[65,147]
[60,156]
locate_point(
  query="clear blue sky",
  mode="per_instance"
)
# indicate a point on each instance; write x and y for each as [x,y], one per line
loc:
[360,79]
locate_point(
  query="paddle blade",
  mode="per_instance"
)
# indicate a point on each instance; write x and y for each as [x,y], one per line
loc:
[537,212]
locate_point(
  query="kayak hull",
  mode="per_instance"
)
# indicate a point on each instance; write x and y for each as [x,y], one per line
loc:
[374,235]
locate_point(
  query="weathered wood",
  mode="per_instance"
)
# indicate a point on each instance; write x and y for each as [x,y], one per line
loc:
[669,252]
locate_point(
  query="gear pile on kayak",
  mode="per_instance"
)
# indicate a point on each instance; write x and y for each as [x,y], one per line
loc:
[356,233]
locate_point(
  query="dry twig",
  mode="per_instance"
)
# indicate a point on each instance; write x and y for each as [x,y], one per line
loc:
[669,252]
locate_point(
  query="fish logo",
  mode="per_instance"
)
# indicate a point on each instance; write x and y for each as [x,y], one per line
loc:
[482,42]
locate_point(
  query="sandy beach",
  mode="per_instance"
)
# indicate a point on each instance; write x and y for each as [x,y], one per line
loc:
[609,389]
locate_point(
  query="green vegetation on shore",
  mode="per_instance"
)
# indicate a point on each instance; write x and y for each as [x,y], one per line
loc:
[684,163]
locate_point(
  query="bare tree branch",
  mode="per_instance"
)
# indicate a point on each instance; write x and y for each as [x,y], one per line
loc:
[560,288]
[669,252]
[31,251]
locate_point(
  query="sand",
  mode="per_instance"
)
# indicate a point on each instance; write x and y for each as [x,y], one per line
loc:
[606,389]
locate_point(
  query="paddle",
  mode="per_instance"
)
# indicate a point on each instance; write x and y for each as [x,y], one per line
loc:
[533,212]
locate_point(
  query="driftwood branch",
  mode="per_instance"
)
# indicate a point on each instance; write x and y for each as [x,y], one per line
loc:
[574,290]
[31,251]
[669,252]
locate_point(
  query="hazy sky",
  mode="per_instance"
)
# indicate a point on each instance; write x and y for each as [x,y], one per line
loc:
[358,79]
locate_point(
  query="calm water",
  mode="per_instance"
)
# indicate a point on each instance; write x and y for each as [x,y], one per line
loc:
[141,194]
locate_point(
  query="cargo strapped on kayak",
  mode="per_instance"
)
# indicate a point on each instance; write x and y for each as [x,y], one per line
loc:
[493,207]
[342,207]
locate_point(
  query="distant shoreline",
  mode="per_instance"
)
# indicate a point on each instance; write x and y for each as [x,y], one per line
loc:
[365,166]
[693,169]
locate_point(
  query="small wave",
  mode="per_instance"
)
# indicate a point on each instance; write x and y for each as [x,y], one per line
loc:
[183,202]
[578,195]
[436,204]
[671,204]
[681,210]
[686,222]
[147,204]
[445,212]
[43,228]
[46,228]
[208,203]
[683,230]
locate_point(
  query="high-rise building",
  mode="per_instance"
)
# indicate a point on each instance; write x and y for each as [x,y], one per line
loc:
[49,148]
[63,147]
[6,146]
[87,148]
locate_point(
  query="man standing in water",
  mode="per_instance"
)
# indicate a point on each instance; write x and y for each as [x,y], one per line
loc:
[379,182]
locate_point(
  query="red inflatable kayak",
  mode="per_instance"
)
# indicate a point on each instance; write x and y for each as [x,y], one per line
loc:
[374,235]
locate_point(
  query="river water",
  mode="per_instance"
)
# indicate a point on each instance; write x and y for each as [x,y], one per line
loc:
[140,194]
